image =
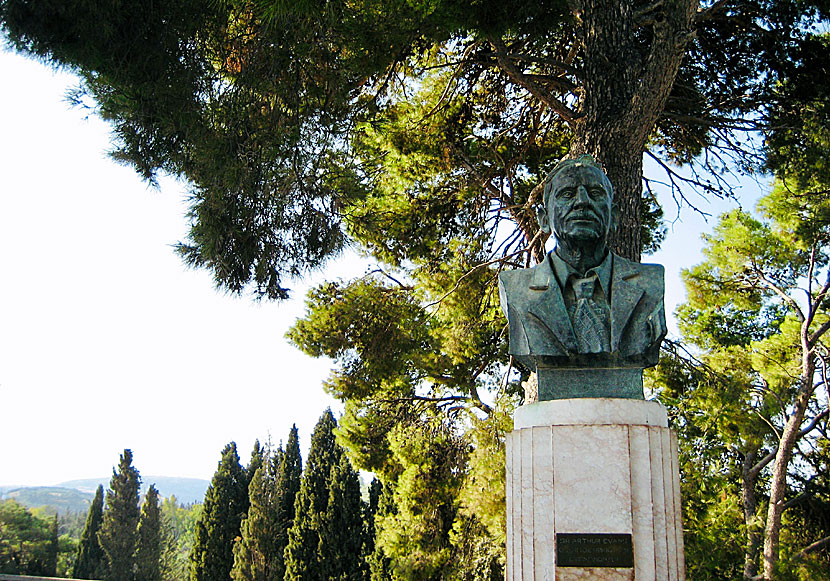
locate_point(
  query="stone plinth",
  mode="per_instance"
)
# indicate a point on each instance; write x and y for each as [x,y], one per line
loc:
[601,475]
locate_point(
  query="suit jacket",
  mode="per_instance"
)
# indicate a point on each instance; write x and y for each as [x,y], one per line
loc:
[541,330]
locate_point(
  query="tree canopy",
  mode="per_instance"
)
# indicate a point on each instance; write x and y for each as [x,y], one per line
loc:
[405,125]
[751,409]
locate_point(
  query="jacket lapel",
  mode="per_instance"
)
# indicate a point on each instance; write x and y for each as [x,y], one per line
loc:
[546,305]
[625,294]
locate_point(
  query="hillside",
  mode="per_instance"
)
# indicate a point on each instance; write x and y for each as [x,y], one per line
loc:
[61,499]
[76,495]
[186,490]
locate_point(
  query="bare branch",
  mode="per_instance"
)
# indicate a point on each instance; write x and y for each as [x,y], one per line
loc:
[565,66]
[753,472]
[771,456]
[390,277]
[823,328]
[813,547]
[518,77]
[468,273]
[767,282]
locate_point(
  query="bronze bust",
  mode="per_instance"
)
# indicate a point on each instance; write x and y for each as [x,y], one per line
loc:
[586,320]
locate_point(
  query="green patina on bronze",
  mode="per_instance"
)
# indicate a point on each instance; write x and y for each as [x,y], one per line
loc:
[586,320]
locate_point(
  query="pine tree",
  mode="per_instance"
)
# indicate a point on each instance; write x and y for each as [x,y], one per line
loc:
[148,551]
[226,503]
[325,541]
[119,528]
[90,561]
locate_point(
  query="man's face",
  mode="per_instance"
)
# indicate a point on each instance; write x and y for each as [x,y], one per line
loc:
[579,206]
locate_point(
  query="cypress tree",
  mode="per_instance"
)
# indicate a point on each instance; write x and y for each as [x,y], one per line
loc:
[51,560]
[325,540]
[148,551]
[254,552]
[381,503]
[341,531]
[259,554]
[226,502]
[289,474]
[119,528]
[257,458]
[90,561]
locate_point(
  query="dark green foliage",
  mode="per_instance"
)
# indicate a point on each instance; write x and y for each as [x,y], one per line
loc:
[799,132]
[300,124]
[149,547]
[90,563]
[702,406]
[28,544]
[370,510]
[341,533]
[325,540]
[259,554]
[429,462]
[289,475]
[226,503]
[405,370]
[254,550]
[257,458]
[381,504]
[51,559]
[118,536]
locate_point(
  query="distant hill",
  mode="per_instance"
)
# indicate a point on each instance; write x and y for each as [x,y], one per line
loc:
[76,495]
[59,498]
[186,490]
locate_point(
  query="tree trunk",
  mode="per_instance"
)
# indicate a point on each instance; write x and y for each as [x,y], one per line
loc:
[626,83]
[778,482]
[752,550]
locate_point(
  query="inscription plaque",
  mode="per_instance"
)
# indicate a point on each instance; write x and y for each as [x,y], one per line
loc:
[594,550]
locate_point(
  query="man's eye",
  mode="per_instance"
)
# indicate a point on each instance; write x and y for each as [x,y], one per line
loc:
[567,193]
[597,193]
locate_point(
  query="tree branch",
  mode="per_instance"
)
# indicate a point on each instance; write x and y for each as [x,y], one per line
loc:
[767,282]
[518,77]
[812,548]
[771,456]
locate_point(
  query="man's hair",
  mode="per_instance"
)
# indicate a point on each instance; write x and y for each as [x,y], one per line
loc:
[581,161]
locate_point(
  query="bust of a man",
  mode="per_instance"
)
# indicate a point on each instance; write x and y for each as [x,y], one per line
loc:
[583,307]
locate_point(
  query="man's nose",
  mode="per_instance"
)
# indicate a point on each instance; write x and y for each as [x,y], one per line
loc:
[582,196]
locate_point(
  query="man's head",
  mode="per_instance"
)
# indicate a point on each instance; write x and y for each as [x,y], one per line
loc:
[577,202]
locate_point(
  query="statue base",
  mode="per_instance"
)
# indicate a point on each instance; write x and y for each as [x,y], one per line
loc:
[594,382]
[593,492]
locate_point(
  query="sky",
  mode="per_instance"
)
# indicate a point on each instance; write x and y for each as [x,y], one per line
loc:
[107,341]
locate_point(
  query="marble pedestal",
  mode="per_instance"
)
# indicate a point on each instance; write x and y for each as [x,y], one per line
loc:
[592,483]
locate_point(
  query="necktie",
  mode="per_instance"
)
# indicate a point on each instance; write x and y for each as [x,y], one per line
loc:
[589,328]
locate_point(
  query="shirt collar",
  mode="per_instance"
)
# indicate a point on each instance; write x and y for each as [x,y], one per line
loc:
[562,270]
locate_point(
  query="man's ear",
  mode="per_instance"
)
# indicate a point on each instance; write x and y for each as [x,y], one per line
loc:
[542,219]
[615,217]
